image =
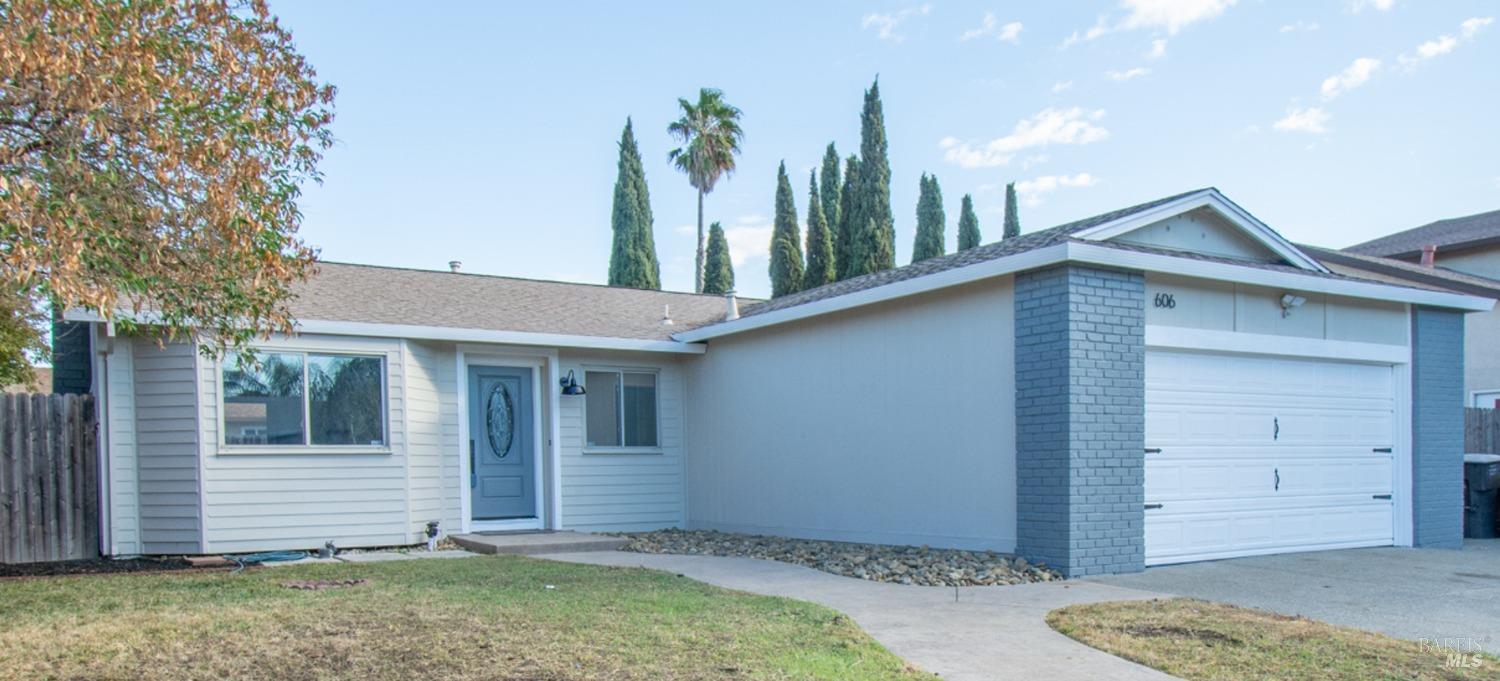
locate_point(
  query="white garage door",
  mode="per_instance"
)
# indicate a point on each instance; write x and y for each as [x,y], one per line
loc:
[1251,455]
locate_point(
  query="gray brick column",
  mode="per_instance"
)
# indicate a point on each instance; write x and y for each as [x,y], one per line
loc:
[1080,419]
[1437,428]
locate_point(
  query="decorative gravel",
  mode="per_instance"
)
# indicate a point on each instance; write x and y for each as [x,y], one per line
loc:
[918,565]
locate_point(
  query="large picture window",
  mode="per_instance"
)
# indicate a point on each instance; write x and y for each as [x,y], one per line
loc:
[295,398]
[620,409]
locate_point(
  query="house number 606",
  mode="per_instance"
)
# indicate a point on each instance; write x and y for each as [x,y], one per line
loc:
[1166,300]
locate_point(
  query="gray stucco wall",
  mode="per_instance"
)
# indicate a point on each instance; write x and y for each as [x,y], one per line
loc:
[1437,377]
[1080,419]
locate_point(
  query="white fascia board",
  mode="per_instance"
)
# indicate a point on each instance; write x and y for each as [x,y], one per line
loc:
[1009,264]
[1239,342]
[1205,269]
[1257,230]
[447,333]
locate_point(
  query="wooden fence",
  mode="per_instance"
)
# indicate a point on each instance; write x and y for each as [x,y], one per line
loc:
[1482,430]
[49,483]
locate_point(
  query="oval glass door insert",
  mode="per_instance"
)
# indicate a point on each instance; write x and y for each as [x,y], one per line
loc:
[500,420]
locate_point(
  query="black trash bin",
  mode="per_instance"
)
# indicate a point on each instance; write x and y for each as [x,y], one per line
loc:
[1482,486]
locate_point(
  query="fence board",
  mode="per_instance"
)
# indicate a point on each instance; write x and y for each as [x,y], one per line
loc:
[1482,430]
[49,505]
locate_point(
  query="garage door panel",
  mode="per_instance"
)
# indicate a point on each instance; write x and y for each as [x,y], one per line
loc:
[1228,426]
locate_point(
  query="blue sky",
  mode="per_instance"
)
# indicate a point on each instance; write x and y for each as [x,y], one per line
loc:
[486,132]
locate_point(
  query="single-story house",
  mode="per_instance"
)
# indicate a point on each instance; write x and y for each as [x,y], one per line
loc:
[1467,248]
[1169,382]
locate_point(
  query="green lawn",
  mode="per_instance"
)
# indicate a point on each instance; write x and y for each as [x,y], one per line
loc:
[1197,640]
[472,618]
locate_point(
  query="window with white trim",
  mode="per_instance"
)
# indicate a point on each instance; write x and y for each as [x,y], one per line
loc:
[620,409]
[304,399]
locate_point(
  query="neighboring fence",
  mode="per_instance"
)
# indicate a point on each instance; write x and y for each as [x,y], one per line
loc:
[49,482]
[1482,430]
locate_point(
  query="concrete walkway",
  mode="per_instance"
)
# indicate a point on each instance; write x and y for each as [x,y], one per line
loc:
[989,633]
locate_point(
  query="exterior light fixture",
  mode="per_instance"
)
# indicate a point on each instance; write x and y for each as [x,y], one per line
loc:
[570,385]
[1289,301]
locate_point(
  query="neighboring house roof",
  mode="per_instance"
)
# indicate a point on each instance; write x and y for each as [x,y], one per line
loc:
[1453,233]
[1400,271]
[41,382]
[342,292]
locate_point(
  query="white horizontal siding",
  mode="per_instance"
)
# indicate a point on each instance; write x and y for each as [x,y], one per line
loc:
[623,492]
[166,441]
[432,419]
[298,500]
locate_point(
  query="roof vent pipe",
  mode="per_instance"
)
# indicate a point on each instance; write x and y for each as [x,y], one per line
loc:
[1429,255]
[733,311]
[666,315]
[454,265]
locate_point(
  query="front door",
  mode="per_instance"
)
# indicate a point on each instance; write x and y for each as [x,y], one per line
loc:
[502,453]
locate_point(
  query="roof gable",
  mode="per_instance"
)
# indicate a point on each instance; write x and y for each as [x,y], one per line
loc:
[1234,231]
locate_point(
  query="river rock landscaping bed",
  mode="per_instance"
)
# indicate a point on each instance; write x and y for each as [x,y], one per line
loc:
[917,565]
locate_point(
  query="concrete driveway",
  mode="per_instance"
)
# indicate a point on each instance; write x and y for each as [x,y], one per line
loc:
[1411,593]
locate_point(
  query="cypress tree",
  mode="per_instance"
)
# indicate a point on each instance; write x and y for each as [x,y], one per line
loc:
[968,225]
[843,240]
[831,191]
[718,269]
[1012,219]
[875,245]
[632,259]
[820,269]
[786,240]
[930,220]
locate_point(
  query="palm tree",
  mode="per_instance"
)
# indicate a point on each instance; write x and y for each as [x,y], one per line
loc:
[710,134]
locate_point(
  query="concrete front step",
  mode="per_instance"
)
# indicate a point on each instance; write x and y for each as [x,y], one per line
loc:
[529,543]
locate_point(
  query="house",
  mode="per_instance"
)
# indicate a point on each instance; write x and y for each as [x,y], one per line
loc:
[1169,382]
[1468,247]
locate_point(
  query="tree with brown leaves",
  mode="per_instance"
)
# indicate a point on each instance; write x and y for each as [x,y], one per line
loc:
[151,157]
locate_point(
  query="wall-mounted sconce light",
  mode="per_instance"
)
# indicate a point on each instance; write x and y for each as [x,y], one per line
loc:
[1289,301]
[570,385]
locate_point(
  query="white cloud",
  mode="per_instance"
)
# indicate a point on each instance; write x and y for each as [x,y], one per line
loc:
[1158,15]
[1061,86]
[1300,26]
[749,238]
[1356,74]
[1031,191]
[1158,49]
[1357,6]
[1445,43]
[885,24]
[1047,127]
[1312,119]
[990,26]
[1128,74]
[1473,25]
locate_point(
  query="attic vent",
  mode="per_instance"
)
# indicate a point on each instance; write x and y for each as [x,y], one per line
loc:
[454,265]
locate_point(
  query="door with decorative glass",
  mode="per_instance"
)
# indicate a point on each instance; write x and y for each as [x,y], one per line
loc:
[502,452]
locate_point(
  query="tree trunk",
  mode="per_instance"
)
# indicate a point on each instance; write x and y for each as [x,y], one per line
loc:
[698,268]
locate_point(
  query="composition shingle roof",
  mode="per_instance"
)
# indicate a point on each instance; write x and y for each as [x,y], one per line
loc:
[1453,232]
[992,251]
[1400,271]
[390,295]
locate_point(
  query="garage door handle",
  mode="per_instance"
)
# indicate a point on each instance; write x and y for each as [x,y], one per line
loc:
[1382,450]
[1153,450]
[1380,496]
[1150,507]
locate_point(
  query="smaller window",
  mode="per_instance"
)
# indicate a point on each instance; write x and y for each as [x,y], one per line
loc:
[620,409]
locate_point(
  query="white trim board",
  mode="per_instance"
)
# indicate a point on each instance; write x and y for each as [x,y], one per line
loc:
[1087,253]
[1255,229]
[458,335]
[1178,338]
